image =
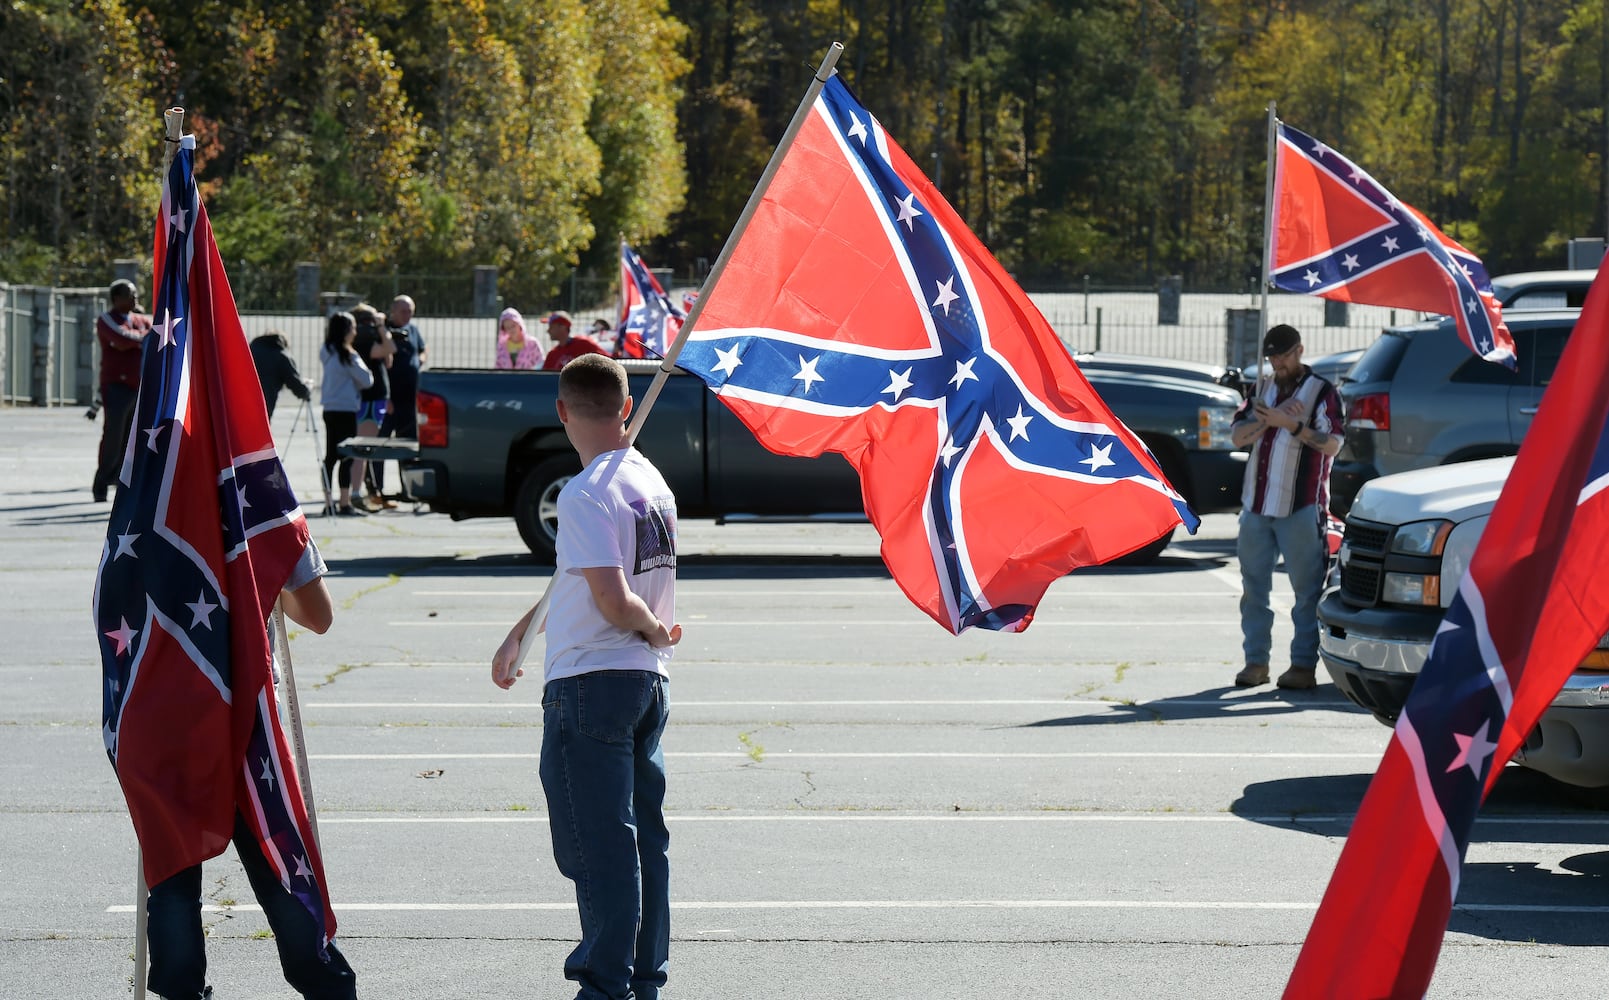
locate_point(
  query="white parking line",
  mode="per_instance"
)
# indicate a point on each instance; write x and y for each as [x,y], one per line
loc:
[899,904]
[882,755]
[1230,704]
[914,621]
[686,589]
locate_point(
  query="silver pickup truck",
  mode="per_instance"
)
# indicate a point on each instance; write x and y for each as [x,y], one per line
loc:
[1409,539]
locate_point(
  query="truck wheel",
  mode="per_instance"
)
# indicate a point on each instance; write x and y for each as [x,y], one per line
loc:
[536,508]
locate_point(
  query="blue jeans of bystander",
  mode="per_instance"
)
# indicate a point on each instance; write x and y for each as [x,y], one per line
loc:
[1299,537]
[604,776]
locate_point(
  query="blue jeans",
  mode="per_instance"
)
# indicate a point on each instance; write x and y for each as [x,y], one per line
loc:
[1299,536]
[173,926]
[604,776]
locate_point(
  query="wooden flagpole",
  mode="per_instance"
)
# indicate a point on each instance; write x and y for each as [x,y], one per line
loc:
[538,616]
[293,707]
[1268,239]
[173,119]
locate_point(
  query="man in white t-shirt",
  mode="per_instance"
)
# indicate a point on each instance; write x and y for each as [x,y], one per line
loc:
[604,706]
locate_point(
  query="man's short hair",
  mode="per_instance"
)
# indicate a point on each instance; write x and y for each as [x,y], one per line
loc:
[121,287]
[593,387]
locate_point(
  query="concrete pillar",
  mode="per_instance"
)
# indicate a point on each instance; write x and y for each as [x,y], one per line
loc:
[126,269]
[1334,313]
[1168,292]
[39,342]
[307,287]
[485,291]
[1243,337]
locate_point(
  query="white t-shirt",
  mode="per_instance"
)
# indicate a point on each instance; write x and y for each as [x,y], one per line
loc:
[617,512]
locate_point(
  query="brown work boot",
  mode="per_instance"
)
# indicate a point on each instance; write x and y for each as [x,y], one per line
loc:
[1253,675]
[1298,678]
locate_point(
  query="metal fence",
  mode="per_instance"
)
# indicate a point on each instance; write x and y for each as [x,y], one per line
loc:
[48,351]
[49,354]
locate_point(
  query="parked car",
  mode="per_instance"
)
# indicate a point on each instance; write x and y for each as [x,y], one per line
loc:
[490,445]
[1409,539]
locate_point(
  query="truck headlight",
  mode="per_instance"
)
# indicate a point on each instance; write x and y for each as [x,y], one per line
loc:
[1213,428]
[1422,538]
[1411,588]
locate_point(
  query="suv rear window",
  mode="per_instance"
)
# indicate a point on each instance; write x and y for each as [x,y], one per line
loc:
[1379,362]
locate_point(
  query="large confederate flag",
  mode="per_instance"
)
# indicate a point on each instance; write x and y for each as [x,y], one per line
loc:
[858,314]
[203,536]
[1534,603]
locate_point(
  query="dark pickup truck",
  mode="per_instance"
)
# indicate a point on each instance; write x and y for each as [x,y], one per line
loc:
[490,445]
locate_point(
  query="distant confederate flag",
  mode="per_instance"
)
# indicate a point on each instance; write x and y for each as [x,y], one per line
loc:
[648,319]
[203,536]
[858,314]
[1340,235]
[1532,605]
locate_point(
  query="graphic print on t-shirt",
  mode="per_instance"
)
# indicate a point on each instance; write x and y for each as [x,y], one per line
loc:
[656,534]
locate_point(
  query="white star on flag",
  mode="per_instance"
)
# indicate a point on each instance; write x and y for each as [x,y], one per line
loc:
[948,452]
[268,773]
[244,503]
[125,546]
[946,295]
[1019,424]
[963,371]
[1099,458]
[858,130]
[302,871]
[898,382]
[150,437]
[807,372]
[908,212]
[729,360]
[1350,262]
[1390,244]
[123,636]
[165,329]
[202,611]
[1311,277]
[1472,751]
[177,219]
[1470,305]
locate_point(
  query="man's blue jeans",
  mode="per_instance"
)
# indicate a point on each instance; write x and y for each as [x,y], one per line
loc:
[173,925]
[1298,536]
[604,776]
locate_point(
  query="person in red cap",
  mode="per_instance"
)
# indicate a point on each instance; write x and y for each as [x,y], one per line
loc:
[567,346]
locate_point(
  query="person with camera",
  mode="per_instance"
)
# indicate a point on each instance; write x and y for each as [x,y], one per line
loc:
[377,348]
[121,331]
[276,369]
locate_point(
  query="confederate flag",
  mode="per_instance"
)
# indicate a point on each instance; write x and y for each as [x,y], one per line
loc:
[1534,603]
[204,533]
[858,314]
[1340,235]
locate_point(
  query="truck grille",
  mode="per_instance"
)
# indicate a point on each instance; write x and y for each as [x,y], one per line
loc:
[1366,545]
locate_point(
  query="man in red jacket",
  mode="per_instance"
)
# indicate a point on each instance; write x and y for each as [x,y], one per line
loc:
[121,331]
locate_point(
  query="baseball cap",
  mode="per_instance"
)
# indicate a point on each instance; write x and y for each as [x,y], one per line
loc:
[1280,339]
[559,317]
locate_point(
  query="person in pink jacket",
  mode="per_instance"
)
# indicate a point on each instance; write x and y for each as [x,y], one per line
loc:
[515,347]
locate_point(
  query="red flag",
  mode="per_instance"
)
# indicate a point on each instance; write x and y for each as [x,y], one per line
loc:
[1534,603]
[858,314]
[203,536]
[1339,234]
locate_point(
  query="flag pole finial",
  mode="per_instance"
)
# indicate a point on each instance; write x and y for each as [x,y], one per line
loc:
[174,117]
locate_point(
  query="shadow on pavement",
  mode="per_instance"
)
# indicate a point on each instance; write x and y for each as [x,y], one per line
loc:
[1220,702]
[692,567]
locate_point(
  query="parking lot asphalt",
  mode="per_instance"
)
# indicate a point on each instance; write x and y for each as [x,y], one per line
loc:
[861,805]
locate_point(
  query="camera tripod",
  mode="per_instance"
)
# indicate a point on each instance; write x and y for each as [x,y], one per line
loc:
[305,412]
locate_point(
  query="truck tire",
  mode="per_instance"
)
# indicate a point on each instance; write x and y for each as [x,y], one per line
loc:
[536,507]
